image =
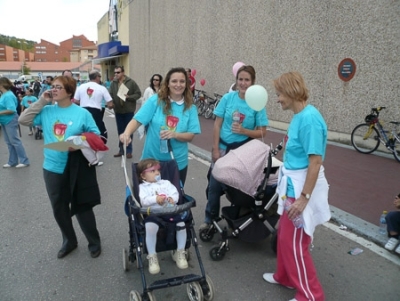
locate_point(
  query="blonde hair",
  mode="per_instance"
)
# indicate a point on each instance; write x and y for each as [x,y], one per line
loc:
[292,84]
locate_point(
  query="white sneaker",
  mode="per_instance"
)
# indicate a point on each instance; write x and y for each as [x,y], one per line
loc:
[7,165]
[21,165]
[397,249]
[100,163]
[269,277]
[179,256]
[154,267]
[391,244]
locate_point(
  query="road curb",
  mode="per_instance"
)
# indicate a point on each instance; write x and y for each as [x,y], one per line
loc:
[338,216]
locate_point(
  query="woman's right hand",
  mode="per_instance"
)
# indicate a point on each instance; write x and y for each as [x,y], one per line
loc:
[47,95]
[124,138]
[215,155]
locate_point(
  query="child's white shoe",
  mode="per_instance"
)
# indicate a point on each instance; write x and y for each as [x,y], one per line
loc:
[154,267]
[179,256]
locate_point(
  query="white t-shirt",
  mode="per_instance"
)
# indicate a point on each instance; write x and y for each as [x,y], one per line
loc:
[147,94]
[91,95]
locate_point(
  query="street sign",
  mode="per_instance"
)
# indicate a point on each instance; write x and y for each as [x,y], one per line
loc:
[346,69]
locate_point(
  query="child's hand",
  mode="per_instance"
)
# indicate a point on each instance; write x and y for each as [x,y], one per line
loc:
[160,199]
[170,200]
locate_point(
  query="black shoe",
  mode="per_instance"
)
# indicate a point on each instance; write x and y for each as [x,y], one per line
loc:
[64,252]
[95,254]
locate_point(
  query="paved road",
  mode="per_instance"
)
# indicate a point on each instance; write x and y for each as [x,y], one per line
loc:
[30,239]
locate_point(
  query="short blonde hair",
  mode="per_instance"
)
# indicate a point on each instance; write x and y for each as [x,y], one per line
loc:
[292,84]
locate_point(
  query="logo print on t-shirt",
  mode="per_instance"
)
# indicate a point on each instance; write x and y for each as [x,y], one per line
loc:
[89,92]
[59,130]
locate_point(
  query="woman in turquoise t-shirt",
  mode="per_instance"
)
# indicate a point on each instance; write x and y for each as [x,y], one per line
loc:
[170,115]
[303,190]
[235,124]
[9,123]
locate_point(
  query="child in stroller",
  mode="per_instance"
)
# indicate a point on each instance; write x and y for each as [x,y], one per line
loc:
[157,193]
[198,287]
[250,175]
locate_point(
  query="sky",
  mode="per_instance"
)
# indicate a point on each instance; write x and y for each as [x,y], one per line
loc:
[51,20]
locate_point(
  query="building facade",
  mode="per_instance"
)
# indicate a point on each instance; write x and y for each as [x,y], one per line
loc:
[312,37]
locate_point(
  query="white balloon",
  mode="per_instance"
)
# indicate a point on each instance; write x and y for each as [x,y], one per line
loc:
[256,97]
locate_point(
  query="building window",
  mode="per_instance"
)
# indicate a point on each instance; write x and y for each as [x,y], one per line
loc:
[76,43]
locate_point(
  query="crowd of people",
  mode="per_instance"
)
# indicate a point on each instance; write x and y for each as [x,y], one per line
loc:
[65,109]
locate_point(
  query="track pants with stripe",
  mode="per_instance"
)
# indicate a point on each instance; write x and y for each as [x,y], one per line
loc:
[295,267]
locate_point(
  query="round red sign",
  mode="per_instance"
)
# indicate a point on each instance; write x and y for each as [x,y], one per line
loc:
[346,69]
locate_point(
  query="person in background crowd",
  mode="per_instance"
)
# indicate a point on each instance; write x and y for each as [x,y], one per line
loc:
[191,79]
[70,181]
[302,188]
[155,83]
[37,86]
[67,73]
[124,108]
[90,96]
[170,115]
[393,226]
[28,99]
[46,85]
[9,124]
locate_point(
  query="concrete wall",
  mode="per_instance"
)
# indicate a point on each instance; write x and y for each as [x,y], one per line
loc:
[310,36]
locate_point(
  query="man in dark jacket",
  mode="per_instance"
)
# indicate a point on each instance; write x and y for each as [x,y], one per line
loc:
[125,107]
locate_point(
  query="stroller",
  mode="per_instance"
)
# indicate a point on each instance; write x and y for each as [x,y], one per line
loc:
[199,287]
[252,215]
[38,132]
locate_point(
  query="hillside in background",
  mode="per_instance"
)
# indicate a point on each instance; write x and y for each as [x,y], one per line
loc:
[17,43]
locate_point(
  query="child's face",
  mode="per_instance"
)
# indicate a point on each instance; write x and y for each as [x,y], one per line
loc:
[149,175]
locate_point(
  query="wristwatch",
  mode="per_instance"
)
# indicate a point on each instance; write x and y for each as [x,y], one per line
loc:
[307,196]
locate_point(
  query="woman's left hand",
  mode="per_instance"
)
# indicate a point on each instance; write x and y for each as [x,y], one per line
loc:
[167,134]
[237,128]
[297,207]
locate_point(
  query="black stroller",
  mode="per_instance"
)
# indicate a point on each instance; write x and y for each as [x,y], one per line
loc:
[199,287]
[252,216]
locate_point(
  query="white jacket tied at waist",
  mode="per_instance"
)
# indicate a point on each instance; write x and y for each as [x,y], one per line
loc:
[317,210]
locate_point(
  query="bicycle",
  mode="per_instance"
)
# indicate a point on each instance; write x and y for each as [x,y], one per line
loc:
[198,97]
[212,105]
[367,136]
[202,104]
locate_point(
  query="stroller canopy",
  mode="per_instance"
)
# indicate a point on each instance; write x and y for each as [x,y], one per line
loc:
[242,168]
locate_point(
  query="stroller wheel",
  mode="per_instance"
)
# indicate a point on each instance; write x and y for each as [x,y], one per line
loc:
[125,260]
[194,291]
[208,292]
[206,234]
[216,254]
[135,296]
[150,297]
[274,241]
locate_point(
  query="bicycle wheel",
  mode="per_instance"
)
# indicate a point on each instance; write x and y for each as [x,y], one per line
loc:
[209,112]
[365,139]
[201,108]
[396,148]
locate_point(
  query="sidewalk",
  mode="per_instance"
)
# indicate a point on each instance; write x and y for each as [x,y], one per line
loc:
[361,186]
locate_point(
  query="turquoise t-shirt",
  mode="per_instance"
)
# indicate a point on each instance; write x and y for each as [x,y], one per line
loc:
[8,101]
[28,100]
[151,114]
[231,103]
[58,124]
[307,135]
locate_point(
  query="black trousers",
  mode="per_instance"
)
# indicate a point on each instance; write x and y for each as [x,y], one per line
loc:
[59,193]
[98,118]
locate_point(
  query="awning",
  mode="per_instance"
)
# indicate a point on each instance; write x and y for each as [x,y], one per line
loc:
[107,58]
